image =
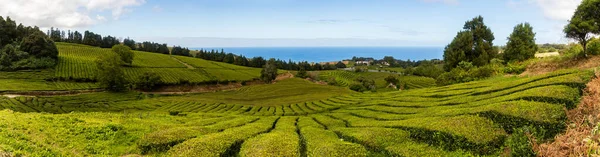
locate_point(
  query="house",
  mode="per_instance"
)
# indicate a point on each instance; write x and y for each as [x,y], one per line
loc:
[363,62]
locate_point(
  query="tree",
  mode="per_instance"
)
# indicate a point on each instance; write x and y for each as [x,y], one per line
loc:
[269,71]
[521,44]
[390,60]
[340,65]
[302,73]
[39,45]
[129,43]
[391,80]
[110,75]
[148,81]
[472,44]
[124,53]
[584,23]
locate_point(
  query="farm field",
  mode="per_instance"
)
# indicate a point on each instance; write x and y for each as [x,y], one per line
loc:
[77,62]
[469,119]
[346,78]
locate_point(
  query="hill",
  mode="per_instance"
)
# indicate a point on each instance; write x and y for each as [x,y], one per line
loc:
[474,118]
[76,62]
[346,78]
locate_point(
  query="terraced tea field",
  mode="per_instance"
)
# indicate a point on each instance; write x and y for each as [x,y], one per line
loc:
[346,78]
[77,62]
[466,119]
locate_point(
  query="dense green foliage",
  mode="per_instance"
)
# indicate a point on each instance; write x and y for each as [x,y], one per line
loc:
[109,74]
[521,44]
[269,71]
[124,53]
[472,44]
[25,47]
[148,81]
[584,23]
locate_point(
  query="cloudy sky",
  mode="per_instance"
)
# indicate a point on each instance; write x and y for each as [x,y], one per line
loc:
[247,23]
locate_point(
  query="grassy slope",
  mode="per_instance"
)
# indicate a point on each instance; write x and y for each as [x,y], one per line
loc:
[77,62]
[346,78]
[288,91]
[456,120]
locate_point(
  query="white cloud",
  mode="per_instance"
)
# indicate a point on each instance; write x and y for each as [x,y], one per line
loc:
[454,2]
[558,9]
[157,8]
[64,13]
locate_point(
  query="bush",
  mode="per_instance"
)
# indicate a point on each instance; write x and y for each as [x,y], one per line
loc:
[148,81]
[519,144]
[110,75]
[515,68]
[302,73]
[593,47]
[357,87]
[124,52]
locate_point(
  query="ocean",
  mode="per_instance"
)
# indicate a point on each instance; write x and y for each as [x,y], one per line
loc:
[326,54]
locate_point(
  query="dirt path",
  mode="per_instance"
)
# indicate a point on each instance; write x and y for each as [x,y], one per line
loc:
[187,65]
[579,137]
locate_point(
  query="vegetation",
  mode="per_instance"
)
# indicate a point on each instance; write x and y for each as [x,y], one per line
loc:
[476,118]
[269,72]
[110,75]
[124,53]
[584,23]
[24,47]
[521,44]
[473,44]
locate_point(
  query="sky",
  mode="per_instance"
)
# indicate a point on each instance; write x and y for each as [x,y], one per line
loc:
[294,23]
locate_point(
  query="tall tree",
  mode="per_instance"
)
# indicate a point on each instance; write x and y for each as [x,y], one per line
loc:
[125,53]
[472,44]
[584,23]
[521,43]
[269,72]
[110,75]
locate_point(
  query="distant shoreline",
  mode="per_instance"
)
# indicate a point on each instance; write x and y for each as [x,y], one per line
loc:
[328,54]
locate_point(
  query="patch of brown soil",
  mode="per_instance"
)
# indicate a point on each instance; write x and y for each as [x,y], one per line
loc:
[284,76]
[581,122]
[550,66]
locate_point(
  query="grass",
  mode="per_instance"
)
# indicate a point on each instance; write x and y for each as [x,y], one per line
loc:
[77,62]
[294,117]
[346,78]
[288,91]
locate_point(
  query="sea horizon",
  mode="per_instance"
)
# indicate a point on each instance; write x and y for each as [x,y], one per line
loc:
[334,53]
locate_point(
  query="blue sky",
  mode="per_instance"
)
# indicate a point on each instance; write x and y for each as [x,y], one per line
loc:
[231,23]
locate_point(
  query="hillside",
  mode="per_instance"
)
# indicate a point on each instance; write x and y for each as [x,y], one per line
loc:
[76,62]
[471,118]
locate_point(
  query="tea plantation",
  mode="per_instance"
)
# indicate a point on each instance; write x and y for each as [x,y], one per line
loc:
[469,119]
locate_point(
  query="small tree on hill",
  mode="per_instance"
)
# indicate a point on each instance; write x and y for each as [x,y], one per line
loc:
[148,81]
[125,53]
[472,44]
[340,65]
[392,80]
[302,73]
[521,44]
[269,71]
[584,23]
[110,75]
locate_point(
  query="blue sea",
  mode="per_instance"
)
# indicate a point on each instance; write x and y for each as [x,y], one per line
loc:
[324,54]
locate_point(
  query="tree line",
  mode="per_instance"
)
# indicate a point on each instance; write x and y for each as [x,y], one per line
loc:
[25,47]
[97,40]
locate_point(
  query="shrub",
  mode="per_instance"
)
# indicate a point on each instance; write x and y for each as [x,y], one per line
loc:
[519,144]
[110,75]
[174,113]
[515,68]
[124,52]
[357,87]
[302,73]
[148,81]
[593,47]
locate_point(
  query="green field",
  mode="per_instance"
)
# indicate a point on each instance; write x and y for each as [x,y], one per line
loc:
[295,118]
[77,62]
[346,78]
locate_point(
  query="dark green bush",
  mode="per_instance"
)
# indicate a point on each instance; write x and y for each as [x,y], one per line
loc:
[357,87]
[519,144]
[148,81]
